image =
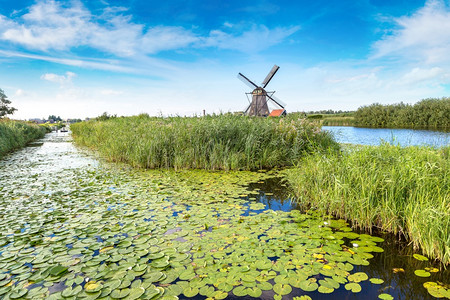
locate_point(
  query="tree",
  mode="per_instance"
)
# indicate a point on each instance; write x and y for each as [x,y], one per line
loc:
[54,118]
[4,105]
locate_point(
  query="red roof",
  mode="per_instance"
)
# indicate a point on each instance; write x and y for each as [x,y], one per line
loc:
[276,112]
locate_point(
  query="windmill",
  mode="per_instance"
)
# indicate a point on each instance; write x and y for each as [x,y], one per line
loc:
[258,106]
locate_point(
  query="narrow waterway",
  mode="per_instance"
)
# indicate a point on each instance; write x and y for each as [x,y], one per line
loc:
[72,226]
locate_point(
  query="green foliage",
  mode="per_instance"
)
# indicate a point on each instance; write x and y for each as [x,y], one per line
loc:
[315,117]
[105,116]
[212,142]
[428,113]
[400,190]
[4,105]
[338,121]
[54,118]
[16,134]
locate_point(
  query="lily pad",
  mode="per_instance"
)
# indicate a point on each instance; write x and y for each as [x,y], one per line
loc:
[420,257]
[282,289]
[190,292]
[353,286]
[385,296]
[120,293]
[376,280]
[358,277]
[422,273]
[58,270]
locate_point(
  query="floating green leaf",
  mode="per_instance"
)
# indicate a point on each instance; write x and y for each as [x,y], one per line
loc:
[385,296]
[119,294]
[190,292]
[58,270]
[376,280]
[282,289]
[358,277]
[353,286]
[420,257]
[422,273]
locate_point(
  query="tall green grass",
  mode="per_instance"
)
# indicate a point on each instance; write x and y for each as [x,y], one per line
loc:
[225,142]
[16,134]
[400,190]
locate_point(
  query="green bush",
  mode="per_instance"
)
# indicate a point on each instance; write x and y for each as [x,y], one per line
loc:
[428,113]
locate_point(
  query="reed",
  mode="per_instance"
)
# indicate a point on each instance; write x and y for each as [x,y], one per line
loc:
[400,190]
[224,142]
[16,134]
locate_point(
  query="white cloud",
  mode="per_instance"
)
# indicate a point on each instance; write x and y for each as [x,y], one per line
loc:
[56,25]
[422,36]
[49,25]
[61,79]
[99,64]
[419,75]
[256,39]
[162,38]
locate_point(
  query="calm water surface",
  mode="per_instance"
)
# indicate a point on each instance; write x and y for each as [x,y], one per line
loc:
[375,136]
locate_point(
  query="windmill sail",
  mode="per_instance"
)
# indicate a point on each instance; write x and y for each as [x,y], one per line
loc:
[247,81]
[276,101]
[269,76]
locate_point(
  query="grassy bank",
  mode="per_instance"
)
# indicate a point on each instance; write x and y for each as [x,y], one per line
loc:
[16,134]
[214,142]
[400,190]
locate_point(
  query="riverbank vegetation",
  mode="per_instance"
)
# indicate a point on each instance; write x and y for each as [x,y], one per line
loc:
[224,142]
[16,134]
[429,113]
[330,120]
[400,190]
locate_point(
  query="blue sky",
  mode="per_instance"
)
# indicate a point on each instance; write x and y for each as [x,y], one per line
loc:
[79,59]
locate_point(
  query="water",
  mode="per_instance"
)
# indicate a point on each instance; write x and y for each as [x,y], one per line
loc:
[55,160]
[375,136]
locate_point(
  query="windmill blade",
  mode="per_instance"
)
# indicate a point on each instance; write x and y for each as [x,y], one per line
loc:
[269,76]
[247,81]
[277,101]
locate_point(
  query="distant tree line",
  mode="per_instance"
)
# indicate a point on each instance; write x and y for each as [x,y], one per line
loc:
[105,116]
[430,113]
[54,118]
[329,112]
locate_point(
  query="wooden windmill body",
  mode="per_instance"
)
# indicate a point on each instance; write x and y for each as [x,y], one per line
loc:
[259,96]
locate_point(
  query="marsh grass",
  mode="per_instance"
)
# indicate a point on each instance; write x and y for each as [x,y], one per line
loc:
[225,142]
[16,134]
[400,190]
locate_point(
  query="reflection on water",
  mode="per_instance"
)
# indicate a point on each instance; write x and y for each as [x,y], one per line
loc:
[397,254]
[403,137]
